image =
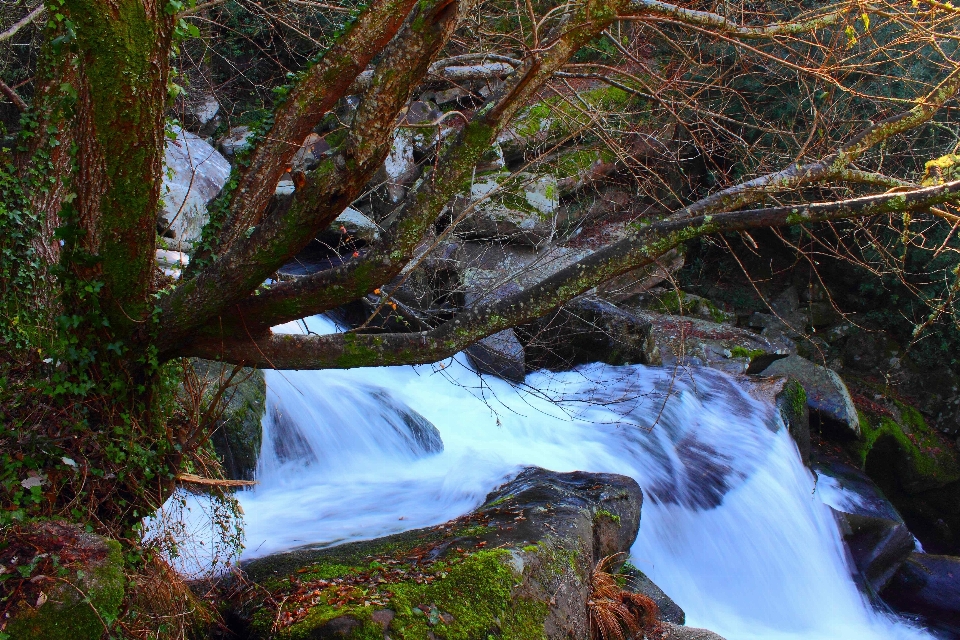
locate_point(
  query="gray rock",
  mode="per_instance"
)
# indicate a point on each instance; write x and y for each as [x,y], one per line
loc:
[928,585]
[194,173]
[235,140]
[694,341]
[639,281]
[519,208]
[310,153]
[354,225]
[200,114]
[638,582]
[499,355]
[827,395]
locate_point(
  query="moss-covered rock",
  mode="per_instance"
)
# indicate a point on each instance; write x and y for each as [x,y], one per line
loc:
[901,444]
[79,597]
[519,567]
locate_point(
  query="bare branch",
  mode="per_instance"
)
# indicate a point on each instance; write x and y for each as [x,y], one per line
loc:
[13,96]
[30,17]
[833,166]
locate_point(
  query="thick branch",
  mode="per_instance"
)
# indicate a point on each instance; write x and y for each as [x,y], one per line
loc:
[13,96]
[644,247]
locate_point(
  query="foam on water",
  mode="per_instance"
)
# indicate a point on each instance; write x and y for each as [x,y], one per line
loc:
[732,528]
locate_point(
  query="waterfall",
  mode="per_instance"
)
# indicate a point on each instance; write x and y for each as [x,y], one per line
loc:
[732,527]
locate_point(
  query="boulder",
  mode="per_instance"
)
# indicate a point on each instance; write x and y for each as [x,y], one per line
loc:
[194,173]
[517,208]
[499,355]
[827,395]
[928,585]
[588,330]
[234,141]
[676,632]
[519,566]
[687,341]
[69,599]
[200,114]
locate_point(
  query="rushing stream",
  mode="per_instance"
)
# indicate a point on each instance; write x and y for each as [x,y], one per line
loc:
[732,528]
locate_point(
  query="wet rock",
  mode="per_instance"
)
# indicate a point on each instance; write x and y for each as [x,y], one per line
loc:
[499,355]
[588,330]
[638,582]
[790,399]
[827,395]
[194,173]
[519,566]
[71,607]
[928,585]
[875,534]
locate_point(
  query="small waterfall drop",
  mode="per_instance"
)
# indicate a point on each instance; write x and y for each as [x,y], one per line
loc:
[731,527]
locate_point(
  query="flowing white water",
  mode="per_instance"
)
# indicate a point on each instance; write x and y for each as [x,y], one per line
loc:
[731,526]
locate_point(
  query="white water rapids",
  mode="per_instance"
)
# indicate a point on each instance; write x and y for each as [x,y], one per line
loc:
[731,526]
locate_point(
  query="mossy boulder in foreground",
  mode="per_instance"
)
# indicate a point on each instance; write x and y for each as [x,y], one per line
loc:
[76,585]
[518,567]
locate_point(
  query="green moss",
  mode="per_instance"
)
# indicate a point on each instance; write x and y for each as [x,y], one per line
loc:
[459,599]
[68,615]
[922,456]
[796,396]
[477,596]
[743,352]
[603,513]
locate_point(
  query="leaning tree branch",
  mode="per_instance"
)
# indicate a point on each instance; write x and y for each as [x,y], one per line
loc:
[643,247]
[326,191]
[327,289]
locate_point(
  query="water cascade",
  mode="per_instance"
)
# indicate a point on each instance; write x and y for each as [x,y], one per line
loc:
[732,527]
